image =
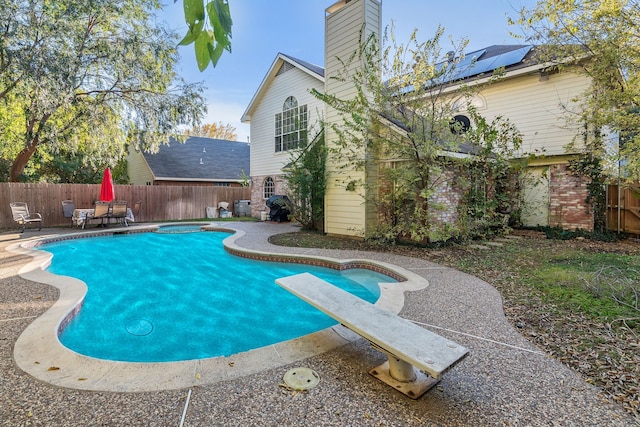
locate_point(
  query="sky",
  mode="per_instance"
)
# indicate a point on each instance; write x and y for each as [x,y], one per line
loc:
[264,28]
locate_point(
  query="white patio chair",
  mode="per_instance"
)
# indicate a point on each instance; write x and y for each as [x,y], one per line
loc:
[21,215]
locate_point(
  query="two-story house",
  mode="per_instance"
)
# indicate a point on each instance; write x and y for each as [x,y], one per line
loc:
[537,100]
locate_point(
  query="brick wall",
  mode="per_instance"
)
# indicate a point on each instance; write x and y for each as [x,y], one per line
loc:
[444,203]
[257,192]
[448,197]
[567,193]
[567,200]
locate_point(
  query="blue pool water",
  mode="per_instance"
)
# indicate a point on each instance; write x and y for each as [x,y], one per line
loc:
[157,297]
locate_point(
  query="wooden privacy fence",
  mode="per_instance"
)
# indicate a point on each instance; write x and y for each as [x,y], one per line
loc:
[623,209]
[159,203]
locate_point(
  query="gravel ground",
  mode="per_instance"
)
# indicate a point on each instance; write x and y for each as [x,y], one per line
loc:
[506,380]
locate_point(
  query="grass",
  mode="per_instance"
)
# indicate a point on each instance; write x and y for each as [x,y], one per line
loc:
[561,273]
[576,299]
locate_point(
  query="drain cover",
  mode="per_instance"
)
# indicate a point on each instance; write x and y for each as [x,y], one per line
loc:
[139,327]
[301,378]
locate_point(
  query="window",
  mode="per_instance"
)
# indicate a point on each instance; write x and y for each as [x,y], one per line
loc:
[291,126]
[268,187]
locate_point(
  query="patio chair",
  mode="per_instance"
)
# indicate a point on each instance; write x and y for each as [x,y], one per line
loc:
[101,212]
[119,211]
[21,215]
[136,208]
[67,209]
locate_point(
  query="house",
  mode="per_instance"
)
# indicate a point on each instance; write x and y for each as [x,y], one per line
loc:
[283,113]
[531,95]
[197,161]
[537,100]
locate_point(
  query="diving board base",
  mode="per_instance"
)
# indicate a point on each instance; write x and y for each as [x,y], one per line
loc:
[415,388]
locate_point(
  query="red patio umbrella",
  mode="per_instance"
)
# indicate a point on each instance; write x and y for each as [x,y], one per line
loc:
[106,188]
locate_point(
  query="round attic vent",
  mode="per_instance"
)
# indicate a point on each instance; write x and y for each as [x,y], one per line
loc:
[459,124]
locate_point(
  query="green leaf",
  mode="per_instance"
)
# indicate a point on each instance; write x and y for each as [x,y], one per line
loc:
[192,34]
[223,15]
[193,11]
[221,34]
[202,45]
[215,53]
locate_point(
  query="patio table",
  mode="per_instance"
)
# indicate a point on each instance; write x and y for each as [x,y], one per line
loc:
[82,216]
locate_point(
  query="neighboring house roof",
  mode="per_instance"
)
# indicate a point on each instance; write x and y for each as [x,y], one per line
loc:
[200,159]
[315,71]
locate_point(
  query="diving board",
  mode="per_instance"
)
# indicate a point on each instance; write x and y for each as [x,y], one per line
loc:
[407,345]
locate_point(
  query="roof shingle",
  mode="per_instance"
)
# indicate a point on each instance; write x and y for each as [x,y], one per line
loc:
[200,159]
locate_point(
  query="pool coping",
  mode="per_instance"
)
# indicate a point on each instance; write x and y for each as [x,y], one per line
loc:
[39,352]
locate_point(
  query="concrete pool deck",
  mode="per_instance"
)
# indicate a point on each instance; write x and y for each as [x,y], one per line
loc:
[505,380]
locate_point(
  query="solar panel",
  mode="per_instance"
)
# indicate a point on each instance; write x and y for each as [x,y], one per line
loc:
[470,65]
[468,68]
[513,57]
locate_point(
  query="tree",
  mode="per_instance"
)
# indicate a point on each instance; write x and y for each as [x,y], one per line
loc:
[306,183]
[10,132]
[401,117]
[210,43]
[103,66]
[214,130]
[600,39]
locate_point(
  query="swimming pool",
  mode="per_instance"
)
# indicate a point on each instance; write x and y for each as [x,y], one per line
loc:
[159,297]
[39,353]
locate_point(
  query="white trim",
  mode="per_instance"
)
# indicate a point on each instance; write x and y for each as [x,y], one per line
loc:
[197,179]
[268,78]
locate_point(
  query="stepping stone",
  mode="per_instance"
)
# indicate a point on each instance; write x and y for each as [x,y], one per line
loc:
[476,246]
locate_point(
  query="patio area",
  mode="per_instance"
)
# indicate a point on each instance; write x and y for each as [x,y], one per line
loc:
[505,380]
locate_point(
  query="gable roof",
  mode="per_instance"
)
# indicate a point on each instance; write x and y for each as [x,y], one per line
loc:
[200,159]
[477,64]
[314,71]
[309,66]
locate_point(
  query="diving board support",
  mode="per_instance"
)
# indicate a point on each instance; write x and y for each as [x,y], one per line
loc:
[402,376]
[417,357]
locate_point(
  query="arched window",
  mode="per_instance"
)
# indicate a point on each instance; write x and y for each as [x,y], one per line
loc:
[291,125]
[464,102]
[268,187]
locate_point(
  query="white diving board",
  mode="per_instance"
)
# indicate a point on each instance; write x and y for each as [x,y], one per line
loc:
[406,344]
